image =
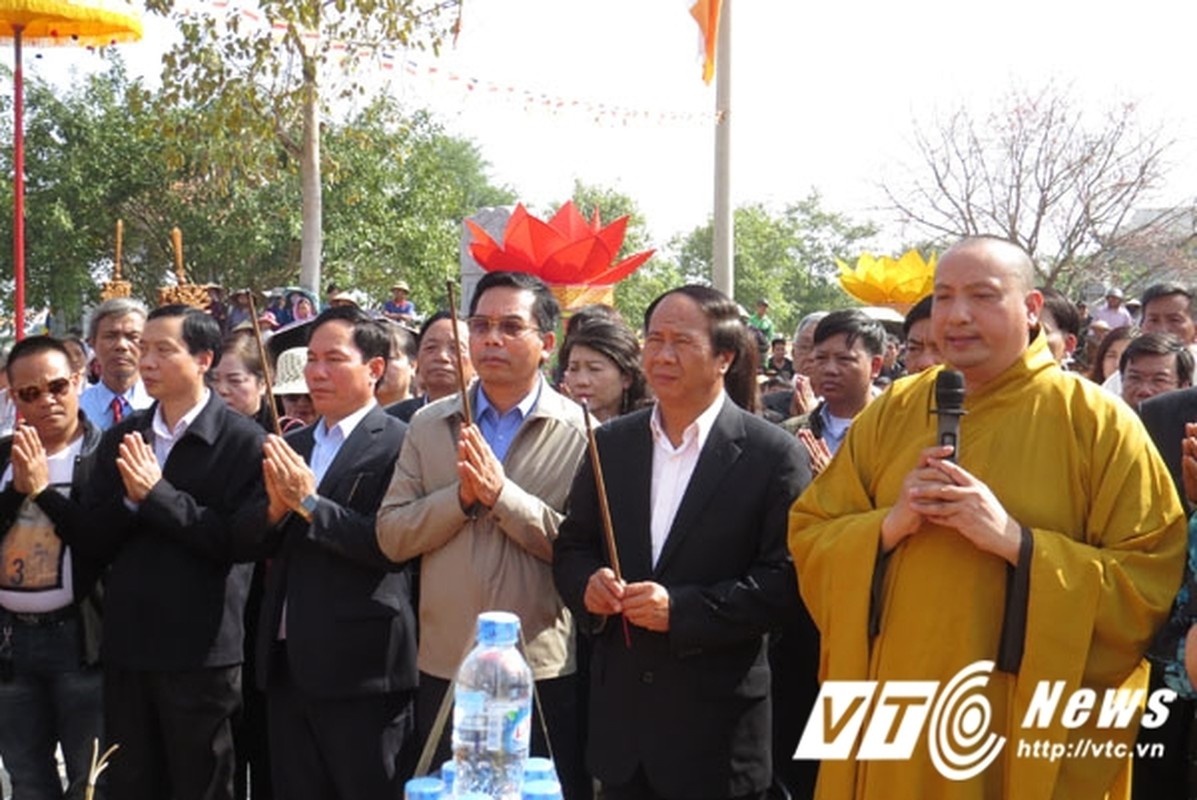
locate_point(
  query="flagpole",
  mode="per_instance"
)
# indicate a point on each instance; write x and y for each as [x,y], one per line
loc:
[723,271]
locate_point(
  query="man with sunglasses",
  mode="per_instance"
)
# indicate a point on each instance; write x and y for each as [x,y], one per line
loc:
[482,514]
[50,686]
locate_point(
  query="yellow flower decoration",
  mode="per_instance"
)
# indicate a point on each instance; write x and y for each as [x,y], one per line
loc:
[884,281]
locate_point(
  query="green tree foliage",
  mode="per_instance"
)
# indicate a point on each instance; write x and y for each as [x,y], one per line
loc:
[262,82]
[397,190]
[787,258]
[84,160]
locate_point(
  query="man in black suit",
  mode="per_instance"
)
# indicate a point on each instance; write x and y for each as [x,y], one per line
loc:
[170,487]
[700,490]
[1167,417]
[337,639]
[1170,418]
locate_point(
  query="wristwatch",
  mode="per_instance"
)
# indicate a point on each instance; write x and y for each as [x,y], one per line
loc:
[307,506]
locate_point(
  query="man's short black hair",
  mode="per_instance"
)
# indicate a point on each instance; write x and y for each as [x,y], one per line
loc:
[778,340]
[31,346]
[917,313]
[1063,311]
[1160,344]
[855,325]
[1167,289]
[200,331]
[430,321]
[370,336]
[546,312]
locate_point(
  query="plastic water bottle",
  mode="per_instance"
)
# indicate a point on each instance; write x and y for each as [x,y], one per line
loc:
[424,789]
[492,712]
[448,770]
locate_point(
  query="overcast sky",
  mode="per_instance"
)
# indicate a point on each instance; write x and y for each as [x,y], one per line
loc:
[825,94]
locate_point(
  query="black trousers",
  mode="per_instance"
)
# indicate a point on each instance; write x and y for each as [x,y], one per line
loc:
[638,788]
[174,732]
[558,696]
[338,749]
[1169,776]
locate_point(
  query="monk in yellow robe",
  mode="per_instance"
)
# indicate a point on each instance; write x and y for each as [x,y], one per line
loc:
[1053,549]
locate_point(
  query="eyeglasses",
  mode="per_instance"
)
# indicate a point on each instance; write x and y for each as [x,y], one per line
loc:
[509,327]
[57,387]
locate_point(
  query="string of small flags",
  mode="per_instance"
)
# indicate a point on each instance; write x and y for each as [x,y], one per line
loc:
[432,75]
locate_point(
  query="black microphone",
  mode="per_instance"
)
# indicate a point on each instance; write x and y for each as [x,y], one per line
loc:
[949,408]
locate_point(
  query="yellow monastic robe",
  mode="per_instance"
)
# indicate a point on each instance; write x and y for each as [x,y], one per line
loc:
[1069,462]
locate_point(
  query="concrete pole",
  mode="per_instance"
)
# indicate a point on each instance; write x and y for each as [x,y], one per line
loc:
[722,259]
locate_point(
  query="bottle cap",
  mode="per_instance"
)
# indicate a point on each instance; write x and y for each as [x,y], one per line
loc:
[498,628]
[539,769]
[542,790]
[424,789]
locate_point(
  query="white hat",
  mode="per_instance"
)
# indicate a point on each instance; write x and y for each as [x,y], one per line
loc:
[288,373]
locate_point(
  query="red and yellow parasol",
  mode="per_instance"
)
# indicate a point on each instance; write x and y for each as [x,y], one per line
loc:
[52,22]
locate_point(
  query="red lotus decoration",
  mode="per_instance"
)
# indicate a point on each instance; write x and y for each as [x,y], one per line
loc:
[565,251]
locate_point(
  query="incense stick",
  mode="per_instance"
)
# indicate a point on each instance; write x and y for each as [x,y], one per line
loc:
[253,316]
[600,485]
[461,381]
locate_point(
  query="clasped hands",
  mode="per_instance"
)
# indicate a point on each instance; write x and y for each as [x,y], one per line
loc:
[944,493]
[287,476]
[480,473]
[645,603]
[138,467]
[30,467]
[1188,462]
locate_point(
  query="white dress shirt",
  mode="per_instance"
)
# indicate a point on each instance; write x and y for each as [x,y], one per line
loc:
[166,438]
[326,442]
[673,467]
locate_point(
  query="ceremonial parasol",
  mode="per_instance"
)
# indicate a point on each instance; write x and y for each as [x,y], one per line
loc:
[51,22]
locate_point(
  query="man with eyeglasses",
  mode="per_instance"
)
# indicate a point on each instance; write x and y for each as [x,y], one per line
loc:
[1152,364]
[480,504]
[114,332]
[50,685]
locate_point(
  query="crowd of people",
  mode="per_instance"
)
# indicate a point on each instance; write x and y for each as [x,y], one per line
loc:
[250,614]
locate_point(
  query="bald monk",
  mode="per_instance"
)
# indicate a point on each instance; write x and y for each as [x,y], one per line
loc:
[1053,550]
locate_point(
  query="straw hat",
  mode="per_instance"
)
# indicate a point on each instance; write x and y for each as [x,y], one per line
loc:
[288,373]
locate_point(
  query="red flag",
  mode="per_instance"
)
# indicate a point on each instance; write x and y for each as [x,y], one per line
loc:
[706,14]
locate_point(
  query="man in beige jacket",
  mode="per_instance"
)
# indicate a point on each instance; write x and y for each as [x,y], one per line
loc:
[480,504]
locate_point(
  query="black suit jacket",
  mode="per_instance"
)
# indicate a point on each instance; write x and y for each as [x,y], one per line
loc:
[351,624]
[691,705]
[1165,416]
[175,595]
[404,410]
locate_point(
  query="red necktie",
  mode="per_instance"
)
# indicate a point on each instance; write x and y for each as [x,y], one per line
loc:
[118,410]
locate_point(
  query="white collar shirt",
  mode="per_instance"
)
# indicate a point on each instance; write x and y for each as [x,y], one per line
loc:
[166,438]
[327,442]
[673,467]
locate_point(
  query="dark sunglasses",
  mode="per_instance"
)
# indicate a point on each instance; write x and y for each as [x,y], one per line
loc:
[57,387]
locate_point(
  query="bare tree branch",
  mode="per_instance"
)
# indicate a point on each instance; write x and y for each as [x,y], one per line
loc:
[1063,183]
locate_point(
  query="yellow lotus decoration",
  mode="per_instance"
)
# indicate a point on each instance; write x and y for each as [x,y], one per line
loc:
[884,281]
